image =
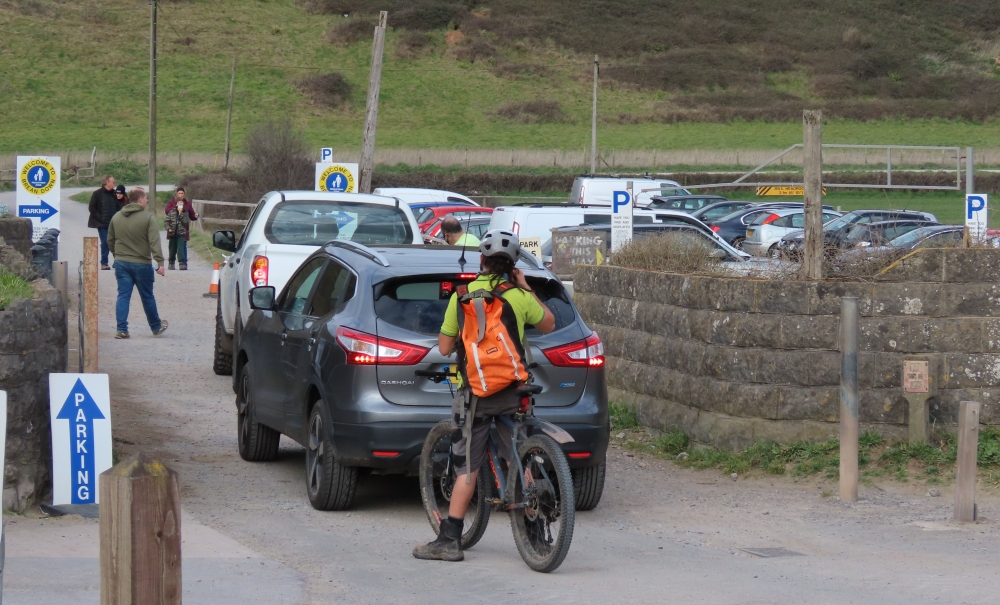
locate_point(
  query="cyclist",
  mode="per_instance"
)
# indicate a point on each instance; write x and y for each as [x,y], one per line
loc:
[499,251]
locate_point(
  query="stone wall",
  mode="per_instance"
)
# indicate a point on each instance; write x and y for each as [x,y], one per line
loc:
[32,344]
[16,233]
[736,360]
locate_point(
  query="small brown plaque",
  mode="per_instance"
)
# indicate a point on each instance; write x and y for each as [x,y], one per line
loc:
[915,377]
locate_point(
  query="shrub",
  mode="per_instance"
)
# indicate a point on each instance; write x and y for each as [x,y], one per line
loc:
[476,48]
[277,158]
[351,31]
[13,287]
[413,44]
[329,89]
[533,112]
[427,16]
[673,252]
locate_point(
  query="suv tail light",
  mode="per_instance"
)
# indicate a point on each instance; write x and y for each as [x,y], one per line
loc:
[366,349]
[770,219]
[258,271]
[580,354]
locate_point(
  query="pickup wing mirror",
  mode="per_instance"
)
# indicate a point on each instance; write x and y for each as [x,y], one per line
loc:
[224,240]
[262,298]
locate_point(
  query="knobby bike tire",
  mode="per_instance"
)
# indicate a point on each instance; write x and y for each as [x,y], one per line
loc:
[531,534]
[434,497]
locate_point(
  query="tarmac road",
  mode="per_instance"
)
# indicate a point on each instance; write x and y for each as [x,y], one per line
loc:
[661,534]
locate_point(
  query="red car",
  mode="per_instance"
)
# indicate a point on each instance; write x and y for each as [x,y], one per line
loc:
[430,215]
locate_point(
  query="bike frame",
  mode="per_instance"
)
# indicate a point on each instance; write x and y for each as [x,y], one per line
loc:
[499,481]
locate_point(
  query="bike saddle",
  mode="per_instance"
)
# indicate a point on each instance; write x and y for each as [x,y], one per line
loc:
[528,390]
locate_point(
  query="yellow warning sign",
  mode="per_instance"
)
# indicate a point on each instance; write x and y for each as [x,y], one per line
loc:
[798,190]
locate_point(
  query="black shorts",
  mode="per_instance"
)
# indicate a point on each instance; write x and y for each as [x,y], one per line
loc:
[504,403]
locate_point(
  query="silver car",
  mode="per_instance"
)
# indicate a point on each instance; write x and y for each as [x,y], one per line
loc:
[764,233]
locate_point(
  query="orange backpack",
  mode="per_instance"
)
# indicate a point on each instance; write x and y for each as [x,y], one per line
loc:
[490,353]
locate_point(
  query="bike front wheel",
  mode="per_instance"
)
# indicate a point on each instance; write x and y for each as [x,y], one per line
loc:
[437,479]
[543,526]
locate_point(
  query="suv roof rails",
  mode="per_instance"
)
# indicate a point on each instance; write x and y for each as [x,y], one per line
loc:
[357,248]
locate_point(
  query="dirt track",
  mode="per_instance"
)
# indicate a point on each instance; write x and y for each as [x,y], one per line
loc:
[662,533]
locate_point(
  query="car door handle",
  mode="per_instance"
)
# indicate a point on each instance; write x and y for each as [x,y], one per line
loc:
[284,337]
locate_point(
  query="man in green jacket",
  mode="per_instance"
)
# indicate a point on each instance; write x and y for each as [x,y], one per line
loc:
[134,238]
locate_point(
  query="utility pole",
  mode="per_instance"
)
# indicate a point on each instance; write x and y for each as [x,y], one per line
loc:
[812,173]
[229,120]
[371,112]
[593,122]
[152,105]
[970,164]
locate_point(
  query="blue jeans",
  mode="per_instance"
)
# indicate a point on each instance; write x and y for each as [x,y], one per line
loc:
[103,234]
[140,276]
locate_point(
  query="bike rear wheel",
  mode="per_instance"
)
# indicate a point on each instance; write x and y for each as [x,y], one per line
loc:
[543,528]
[437,478]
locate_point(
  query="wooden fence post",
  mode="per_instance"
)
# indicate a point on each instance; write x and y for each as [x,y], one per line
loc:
[812,178]
[371,110]
[88,348]
[965,471]
[140,509]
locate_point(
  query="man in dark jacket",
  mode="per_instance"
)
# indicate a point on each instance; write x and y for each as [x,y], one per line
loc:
[135,239]
[103,205]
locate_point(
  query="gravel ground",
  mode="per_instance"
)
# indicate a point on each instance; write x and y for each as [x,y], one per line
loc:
[661,533]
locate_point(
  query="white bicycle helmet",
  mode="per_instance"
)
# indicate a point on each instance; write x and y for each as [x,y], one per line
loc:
[500,242]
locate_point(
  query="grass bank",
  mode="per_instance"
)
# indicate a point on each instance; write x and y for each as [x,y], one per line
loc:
[931,463]
[12,288]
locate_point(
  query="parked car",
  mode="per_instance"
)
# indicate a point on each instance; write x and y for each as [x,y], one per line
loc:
[538,221]
[597,191]
[685,203]
[931,236]
[767,229]
[715,211]
[866,235]
[836,231]
[330,359]
[418,198]
[476,224]
[431,214]
[733,226]
[285,228]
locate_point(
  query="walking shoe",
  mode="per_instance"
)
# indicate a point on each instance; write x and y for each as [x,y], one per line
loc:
[170,266]
[105,268]
[448,545]
[121,335]
[163,328]
[184,266]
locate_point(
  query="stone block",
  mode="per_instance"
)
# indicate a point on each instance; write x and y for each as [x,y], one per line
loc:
[883,406]
[909,299]
[828,294]
[942,334]
[788,431]
[970,299]
[971,371]
[804,332]
[731,294]
[808,403]
[784,297]
[805,368]
[923,265]
[990,328]
[970,265]
[734,364]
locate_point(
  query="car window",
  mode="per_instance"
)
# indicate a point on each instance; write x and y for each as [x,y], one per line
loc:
[317,222]
[785,221]
[797,221]
[299,287]
[246,228]
[715,213]
[336,282]
[425,216]
[947,239]
[827,217]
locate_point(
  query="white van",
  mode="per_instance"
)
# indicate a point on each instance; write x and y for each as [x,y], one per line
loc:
[597,191]
[538,221]
[418,197]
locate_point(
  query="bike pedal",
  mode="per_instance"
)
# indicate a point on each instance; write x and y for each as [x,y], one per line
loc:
[497,502]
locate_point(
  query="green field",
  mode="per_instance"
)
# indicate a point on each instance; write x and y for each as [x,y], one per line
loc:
[75,75]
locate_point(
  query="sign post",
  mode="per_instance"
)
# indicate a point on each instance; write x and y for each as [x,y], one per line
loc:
[621,218]
[38,192]
[80,408]
[976,219]
[336,178]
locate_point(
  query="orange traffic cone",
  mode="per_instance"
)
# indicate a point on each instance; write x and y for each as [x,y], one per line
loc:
[213,288]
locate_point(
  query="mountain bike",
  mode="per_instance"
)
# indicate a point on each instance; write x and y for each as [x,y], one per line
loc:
[536,490]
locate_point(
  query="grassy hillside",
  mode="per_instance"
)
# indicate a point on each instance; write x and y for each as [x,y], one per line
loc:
[503,73]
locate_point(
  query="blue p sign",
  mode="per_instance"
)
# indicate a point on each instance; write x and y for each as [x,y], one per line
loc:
[326,154]
[973,204]
[619,199]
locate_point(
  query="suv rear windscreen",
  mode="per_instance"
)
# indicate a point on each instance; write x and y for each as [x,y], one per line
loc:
[418,305]
[314,223]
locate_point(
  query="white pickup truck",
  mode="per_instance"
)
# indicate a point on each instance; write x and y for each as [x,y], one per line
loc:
[283,230]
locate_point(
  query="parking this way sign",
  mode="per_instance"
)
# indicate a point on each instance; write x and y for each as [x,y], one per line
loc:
[80,408]
[38,191]
[621,218]
[976,219]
